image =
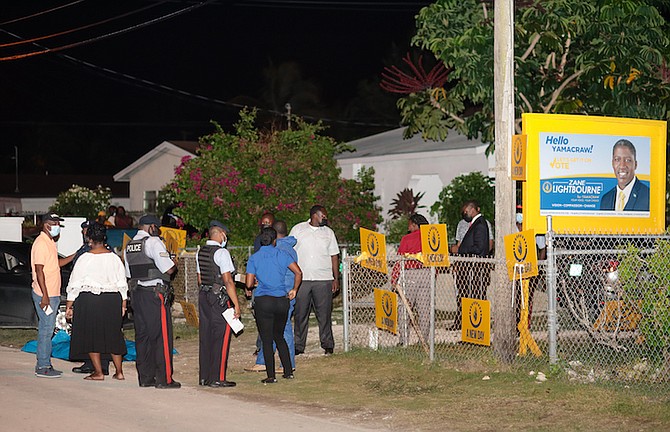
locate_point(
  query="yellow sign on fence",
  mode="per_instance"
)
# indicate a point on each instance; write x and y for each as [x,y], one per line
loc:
[435,245]
[386,310]
[520,252]
[519,157]
[476,321]
[373,248]
[174,239]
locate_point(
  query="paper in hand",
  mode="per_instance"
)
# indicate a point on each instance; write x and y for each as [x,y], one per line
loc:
[48,310]
[234,323]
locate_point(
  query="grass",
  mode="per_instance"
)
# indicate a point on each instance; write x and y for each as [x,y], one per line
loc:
[386,390]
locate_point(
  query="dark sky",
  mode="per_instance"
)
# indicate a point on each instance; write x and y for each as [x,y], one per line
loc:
[67,117]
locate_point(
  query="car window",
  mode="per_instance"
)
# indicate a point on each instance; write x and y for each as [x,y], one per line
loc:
[8,262]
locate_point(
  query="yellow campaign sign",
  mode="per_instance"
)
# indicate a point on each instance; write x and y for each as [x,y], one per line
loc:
[526,341]
[476,321]
[190,313]
[386,310]
[519,157]
[575,165]
[435,245]
[373,250]
[520,252]
[126,239]
[174,239]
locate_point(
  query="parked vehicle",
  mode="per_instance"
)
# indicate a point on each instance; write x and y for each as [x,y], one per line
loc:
[16,302]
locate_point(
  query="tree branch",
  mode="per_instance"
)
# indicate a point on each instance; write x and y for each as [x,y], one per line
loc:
[523,98]
[564,57]
[436,104]
[558,91]
[531,47]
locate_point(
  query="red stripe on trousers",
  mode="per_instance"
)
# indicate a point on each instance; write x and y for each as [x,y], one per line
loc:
[166,347]
[224,352]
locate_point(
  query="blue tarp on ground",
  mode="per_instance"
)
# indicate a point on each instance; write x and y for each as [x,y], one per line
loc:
[60,347]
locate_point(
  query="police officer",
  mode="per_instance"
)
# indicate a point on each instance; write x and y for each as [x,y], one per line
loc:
[217,293]
[149,267]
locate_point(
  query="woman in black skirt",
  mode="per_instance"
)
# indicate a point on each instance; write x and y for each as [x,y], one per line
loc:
[96,302]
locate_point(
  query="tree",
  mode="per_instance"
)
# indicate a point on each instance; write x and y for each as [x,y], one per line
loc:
[405,203]
[473,186]
[82,201]
[238,176]
[572,57]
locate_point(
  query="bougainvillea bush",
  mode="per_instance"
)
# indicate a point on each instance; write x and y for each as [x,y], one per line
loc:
[238,176]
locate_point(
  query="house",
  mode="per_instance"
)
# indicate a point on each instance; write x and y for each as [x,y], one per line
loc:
[37,192]
[423,166]
[151,172]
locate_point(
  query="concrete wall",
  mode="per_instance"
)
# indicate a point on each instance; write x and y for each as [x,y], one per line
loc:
[152,177]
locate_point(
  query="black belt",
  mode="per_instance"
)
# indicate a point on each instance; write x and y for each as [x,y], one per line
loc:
[215,289]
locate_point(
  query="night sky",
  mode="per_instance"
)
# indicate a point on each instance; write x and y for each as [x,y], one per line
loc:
[73,111]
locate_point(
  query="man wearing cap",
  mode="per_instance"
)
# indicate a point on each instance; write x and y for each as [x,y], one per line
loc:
[87,367]
[46,266]
[149,267]
[217,293]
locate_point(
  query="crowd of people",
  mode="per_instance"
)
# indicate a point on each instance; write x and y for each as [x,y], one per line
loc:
[289,272]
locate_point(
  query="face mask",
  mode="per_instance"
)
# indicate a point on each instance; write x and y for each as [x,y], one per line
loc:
[54,230]
[519,218]
[467,217]
[154,231]
[324,222]
[224,243]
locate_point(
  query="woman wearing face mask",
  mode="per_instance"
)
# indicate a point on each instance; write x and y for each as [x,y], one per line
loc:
[96,302]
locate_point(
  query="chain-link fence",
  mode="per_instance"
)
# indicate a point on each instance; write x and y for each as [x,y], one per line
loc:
[609,319]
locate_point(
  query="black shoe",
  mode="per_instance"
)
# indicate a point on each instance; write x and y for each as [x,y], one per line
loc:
[289,376]
[84,369]
[327,351]
[271,380]
[172,385]
[299,351]
[222,384]
[151,383]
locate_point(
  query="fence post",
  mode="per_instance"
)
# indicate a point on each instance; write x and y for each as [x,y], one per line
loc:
[431,335]
[345,299]
[551,292]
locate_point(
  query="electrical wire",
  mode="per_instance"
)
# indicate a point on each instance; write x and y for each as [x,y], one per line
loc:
[40,13]
[49,36]
[108,35]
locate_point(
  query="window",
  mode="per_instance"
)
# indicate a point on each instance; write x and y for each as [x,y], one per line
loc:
[150,201]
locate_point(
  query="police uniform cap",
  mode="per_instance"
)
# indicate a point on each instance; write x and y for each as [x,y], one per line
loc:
[87,224]
[216,223]
[149,219]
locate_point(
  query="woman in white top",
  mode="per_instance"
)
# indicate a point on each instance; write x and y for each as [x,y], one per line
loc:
[96,302]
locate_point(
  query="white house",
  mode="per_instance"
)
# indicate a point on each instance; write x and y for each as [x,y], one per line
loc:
[423,166]
[151,172]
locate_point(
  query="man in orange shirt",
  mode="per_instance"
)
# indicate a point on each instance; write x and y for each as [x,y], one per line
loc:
[46,266]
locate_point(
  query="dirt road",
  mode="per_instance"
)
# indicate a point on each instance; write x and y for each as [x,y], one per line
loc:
[28,403]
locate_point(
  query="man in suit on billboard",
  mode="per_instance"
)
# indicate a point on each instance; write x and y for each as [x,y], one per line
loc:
[630,194]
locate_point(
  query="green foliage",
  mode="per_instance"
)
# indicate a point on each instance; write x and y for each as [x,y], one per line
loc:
[405,203]
[472,186]
[647,281]
[238,176]
[395,229]
[82,201]
[572,57]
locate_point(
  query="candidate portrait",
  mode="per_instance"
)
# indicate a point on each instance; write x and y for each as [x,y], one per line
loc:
[629,194]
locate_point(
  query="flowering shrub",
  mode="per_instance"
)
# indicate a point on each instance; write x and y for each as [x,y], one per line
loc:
[82,201]
[238,176]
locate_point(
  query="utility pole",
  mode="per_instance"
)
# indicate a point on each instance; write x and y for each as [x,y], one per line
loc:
[503,53]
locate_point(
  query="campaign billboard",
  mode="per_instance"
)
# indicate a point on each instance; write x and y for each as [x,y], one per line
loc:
[596,174]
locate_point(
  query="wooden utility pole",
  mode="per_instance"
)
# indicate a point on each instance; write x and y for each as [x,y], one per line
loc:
[503,52]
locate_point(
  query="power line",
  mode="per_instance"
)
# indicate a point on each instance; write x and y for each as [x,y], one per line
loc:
[39,38]
[40,13]
[105,36]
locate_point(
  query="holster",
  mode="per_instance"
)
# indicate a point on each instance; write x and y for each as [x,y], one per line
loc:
[218,290]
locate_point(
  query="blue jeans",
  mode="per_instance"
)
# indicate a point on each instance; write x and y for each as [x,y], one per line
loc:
[45,330]
[288,337]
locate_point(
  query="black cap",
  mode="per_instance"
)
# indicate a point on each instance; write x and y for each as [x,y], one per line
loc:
[216,223]
[87,224]
[52,217]
[149,219]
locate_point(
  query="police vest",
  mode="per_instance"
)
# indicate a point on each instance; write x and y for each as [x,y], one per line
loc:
[142,268]
[209,270]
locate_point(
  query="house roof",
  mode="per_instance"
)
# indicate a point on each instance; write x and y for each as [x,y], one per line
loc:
[392,143]
[42,186]
[181,148]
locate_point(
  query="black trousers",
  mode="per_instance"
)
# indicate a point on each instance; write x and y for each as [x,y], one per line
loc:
[320,295]
[215,336]
[153,337]
[271,316]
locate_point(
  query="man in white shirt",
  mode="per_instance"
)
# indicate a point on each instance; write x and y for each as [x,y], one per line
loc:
[318,257]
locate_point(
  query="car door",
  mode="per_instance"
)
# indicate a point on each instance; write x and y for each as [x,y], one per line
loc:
[16,303]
